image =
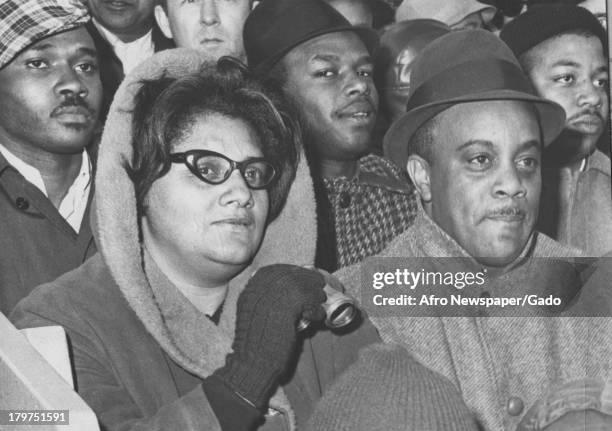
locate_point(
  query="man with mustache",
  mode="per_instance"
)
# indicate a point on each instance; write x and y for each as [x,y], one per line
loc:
[325,66]
[50,93]
[213,27]
[472,141]
[562,49]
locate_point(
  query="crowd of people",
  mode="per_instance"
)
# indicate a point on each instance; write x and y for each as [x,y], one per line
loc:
[180,179]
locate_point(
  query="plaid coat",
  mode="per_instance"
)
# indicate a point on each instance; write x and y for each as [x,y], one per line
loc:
[370,209]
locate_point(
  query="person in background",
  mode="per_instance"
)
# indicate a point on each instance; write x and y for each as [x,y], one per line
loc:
[457,14]
[597,8]
[387,390]
[125,34]
[325,67]
[563,49]
[201,198]
[50,94]
[213,27]
[399,45]
[372,13]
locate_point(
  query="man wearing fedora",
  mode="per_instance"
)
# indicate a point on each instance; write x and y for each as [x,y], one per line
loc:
[324,65]
[563,50]
[471,141]
[50,96]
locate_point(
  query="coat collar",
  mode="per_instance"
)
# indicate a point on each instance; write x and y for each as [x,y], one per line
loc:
[186,335]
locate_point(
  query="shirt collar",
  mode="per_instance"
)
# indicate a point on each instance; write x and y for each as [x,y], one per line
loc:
[115,41]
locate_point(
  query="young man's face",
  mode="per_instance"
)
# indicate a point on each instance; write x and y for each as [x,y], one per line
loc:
[571,70]
[330,79]
[126,17]
[51,94]
[212,26]
[483,183]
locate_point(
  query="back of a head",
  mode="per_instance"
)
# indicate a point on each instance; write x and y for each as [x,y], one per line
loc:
[400,44]
[388,390]
[449,12]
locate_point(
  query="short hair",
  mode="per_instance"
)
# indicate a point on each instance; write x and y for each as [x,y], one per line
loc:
[166,108]
[422,141]
[528,59]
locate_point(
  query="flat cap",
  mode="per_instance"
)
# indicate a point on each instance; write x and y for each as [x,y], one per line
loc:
[24,22]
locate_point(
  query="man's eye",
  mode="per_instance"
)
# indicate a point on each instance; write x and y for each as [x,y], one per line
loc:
[36,64]
[479,162]
[564,79]
[529,163]
[87,67]
[327,73]
[603,82]
[366,72]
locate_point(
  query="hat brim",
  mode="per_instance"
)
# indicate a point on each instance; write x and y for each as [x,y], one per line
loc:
[367,35]
[395,143]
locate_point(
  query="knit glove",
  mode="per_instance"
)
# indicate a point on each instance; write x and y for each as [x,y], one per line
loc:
[268,311]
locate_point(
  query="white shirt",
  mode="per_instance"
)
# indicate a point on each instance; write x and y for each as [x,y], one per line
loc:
[72,207]
[132,53]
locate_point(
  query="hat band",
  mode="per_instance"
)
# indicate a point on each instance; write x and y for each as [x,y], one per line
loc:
[470,78]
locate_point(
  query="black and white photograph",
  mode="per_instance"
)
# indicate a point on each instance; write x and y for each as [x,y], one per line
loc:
[305,215]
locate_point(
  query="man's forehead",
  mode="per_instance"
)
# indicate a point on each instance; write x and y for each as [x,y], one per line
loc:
[566,46]
[476,120]
[341,45]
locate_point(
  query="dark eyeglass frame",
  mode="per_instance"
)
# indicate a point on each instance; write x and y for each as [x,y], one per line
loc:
[189,158]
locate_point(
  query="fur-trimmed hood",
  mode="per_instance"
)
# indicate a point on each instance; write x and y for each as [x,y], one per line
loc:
[184,333]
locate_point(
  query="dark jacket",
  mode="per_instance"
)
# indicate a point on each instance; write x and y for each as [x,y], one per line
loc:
[140,348]
[111,69]
[37,245]
[576,209]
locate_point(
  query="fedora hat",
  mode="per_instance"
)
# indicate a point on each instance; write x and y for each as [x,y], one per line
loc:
[275,27]
[460,67]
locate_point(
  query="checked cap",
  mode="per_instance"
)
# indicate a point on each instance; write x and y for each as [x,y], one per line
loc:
[24,22]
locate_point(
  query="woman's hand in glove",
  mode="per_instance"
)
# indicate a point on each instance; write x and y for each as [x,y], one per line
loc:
[268,311]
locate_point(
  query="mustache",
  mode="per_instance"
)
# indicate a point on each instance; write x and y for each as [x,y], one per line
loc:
[588,111]
[508,210]
[361,99]
[72,100]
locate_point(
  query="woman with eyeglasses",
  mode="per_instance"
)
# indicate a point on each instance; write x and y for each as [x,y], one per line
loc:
[205,218]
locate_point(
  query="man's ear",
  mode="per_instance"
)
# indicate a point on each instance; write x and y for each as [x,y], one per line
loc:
[418,169]
[162,21]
